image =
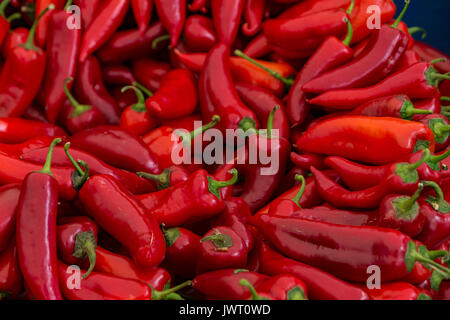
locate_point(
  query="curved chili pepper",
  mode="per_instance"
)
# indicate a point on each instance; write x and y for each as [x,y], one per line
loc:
[103,26]
[9,199]
[227,15]
[17,88]
[440,127]
[169,177]
[284,287]
[142,10]
[397,291]
[172,15]
[199,33]
[15,130]
[258,47]
[419,81]
[262,102]
[221,248]
[129,44]
[224,284]
[393,252]
[284,207]
[396,106]
[11,282]
[89,9]
[402,213]
[305,161]
[36,232]
[5,22]
[195,200]
[176,97]
[253,14]
[13,39]
[331,137]
[42,27]
[149,72]
[119,75]
[116,147]
[330,54]
[321,285]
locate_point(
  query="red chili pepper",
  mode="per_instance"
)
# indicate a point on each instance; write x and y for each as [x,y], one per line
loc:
[440,127]
[149,72]
[227,15]
[17,88]
[224,284]
[419,81]
[253,14]
[306,161]
[172,15]
[15,130]
[36,232]
[103,26]
[198,5]
[437,224]
[195,200]
[321,285]
[11,282]
[171,176]
[431,104]
[408,59]
[221,248]
[42,27]
[9,198]
[332,247]
[129,44]
[89,89]
[177,96]
[116,147]
[401,137]
[199,33]
[284,287]
[63,45]
[258,47]
[89,8]
[13,39]
[142,10]
[223,174]
[397,291]
[118,75]
[5,21]
[331,53]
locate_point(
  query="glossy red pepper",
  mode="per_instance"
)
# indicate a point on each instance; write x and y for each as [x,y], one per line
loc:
[15,130]
[284,287]
[42,27]
[129,44]
[305,161]
[401,137]
[13,39]
[17,88]
[409,58]
[420,81]
[258,47]
[118,75]
[89,9]
[5,22]
[172,15]
[11,282]
[36,232]
[9,199]
[253,14]
[103,26]
[149,72]
[227,15]
[142,11]
[432,104]
[397,291]
[221,248]
[199,33]
[321,285]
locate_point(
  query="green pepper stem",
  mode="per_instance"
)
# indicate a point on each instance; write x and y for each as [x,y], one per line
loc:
[85,245]
[445,98]
[440,157]
[221,241]
[301,191]
[159,39]
[437,60]
[159,295]
[425,156]
[224,184]
[437,189]
[400,17]
[139,106]
[48,162]
[270,121]
[72,160]
[142,88]
[351,7]
[29,44]
[68,4]
[13,17]
[276,75]
[214,121]
[3,6]
[246,283]
[407,204]
[440,76]
[348,39]
[414,30]
[433,255]
[78,109]
[408,111]
[162,179]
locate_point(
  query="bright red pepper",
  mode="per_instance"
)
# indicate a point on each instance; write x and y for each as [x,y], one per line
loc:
[429,53]
[11,282]
[13,39]
[42,27]
[36,232]
[9,199]
[305,161]
[227,15]
[142,10]
[258,47]
[172,15]
[103,26]
[15,130]
[199,33]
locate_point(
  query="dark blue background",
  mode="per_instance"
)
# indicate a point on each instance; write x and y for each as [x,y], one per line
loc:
[434,16]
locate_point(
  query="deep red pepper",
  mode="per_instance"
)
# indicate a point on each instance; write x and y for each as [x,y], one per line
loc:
[118,75]
[17,88]
[397,291]
[221,248]
[195,200]
[224,284]
[172,15]
[199,33]
[321,285]
[11,282]
[149,72]
[36,232]
[419,81]
[392,251]
[176,97]
[401,137]
[142,10]
[9,198]
[129,44]
[116,147]
[103,26]
[253,14]
[227,15]
[89,9]
[42,27]
[15,130]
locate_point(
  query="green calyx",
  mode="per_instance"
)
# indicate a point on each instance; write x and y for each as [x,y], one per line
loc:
[170,294]
[408,111]
[48,161]
[407,208]
[438,203]
[434,77]
[296,293]
[423,296]
[222,242]
[301,191]
[215,186]
[29,44]
[408,171]
[163,179]
[85,246]
[78,109]
[401,15]
[440,129]
[434,160]
[286,81]
[247,124]
[255,295]
[171,236]
[421,145]
[79,177]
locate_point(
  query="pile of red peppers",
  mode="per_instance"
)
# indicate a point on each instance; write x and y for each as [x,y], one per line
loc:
[93,205]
